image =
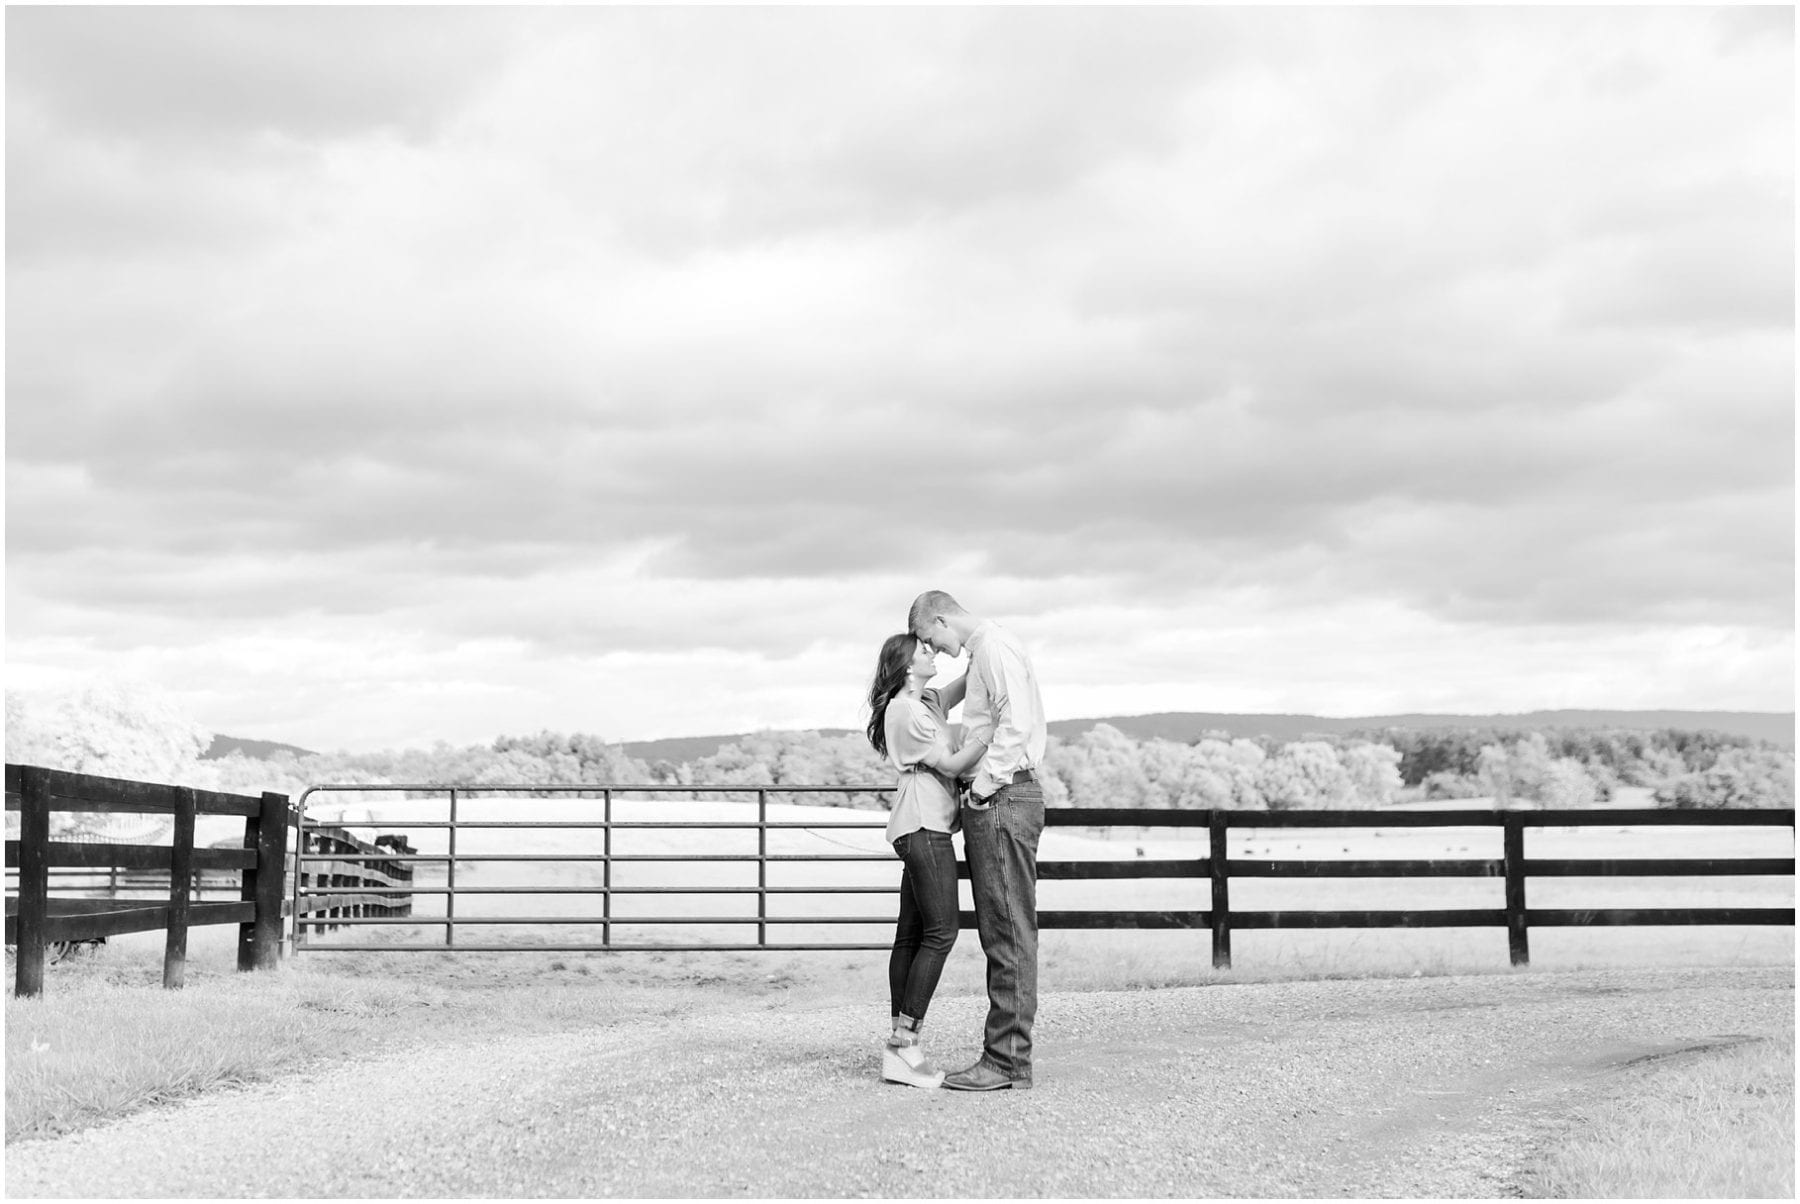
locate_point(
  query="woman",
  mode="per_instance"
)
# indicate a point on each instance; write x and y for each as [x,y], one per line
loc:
[909,725]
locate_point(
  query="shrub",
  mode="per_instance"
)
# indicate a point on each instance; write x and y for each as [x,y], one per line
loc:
[1444,784]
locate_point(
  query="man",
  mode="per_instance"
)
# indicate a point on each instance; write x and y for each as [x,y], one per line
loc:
[1002,818]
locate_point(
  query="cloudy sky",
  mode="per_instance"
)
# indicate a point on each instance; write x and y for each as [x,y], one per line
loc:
[376,377]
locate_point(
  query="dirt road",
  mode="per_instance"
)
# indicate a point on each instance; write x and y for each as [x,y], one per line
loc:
[1441,1087]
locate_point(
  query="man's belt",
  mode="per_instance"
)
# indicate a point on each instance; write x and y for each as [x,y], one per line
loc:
[966,792]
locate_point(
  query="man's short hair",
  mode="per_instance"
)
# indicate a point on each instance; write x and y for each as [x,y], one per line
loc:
[928,606]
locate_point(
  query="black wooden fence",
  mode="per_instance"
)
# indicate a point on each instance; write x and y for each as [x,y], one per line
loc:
[35,918]
[340,881]
[1516,916]
[1515,866]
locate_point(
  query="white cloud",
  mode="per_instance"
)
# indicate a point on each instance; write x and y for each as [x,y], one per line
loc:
[524,339]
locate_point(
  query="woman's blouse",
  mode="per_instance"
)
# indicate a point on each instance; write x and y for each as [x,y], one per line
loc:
[923,797]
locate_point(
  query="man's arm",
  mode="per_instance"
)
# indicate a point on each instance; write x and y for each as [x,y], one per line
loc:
[954,764]
[952,695]
[1006,743]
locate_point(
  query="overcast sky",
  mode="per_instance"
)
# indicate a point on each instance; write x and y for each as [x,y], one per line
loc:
[376,377]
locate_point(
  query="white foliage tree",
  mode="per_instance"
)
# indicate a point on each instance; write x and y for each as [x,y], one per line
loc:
[1305,774]
[1526,770]
[1374,771]
[1493,769]
[113,729]
[110,728]
[1740,777]
[1227,773]
[1566,782]
[797,758]
[1102,768]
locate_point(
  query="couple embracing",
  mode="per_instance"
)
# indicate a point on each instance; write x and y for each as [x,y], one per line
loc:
[987,786]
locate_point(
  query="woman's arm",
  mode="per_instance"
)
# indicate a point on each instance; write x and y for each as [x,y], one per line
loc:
[952,694]
[953,764]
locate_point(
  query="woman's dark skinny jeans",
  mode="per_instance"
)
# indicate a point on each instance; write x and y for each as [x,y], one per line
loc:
[928,920]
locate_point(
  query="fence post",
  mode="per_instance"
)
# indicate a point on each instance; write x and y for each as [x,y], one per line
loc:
[1221,893]
[181,882]
[338,878]
[360,880]
[34,881]
[308,874]
[606,873]
[298,879]
[259,941]
[248,882]
[450,877]
[1517,942]
[403,871]
[326,847]
[762,868]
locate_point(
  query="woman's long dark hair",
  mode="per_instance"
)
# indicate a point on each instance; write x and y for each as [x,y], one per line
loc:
[890,678]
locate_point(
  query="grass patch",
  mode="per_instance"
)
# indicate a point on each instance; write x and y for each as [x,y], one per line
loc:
[1708,1126]
[106,1040]
[96,1051]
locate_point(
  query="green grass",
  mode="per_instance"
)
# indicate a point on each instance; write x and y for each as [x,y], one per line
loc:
[1712,1125]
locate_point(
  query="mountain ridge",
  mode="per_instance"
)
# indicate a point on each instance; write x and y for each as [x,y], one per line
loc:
[1776,727]
[259,750]
[1185,726]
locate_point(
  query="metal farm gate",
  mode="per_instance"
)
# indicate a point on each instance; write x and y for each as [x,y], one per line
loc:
[463,855]
[471,851]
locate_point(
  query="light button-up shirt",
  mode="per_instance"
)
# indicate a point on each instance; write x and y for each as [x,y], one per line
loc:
[1002,707]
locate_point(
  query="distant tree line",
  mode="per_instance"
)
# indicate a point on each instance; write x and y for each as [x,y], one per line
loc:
[131,732]
[1683,768]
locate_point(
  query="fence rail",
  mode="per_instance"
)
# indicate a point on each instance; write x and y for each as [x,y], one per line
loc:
[339,879]
[1217,868]
[35,918]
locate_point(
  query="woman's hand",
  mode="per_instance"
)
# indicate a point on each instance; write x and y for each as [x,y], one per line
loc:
[955,764]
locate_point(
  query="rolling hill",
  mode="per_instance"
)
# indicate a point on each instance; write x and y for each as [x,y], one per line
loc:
[1189,725]
[260,750]
[1184,726]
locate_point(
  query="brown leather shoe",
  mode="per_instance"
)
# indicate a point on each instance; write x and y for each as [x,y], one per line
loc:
[985,1076]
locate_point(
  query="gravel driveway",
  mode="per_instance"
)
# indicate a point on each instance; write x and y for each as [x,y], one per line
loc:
[1429,1087]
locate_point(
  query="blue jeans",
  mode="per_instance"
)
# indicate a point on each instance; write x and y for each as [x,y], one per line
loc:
[928,921]
[1002,843]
